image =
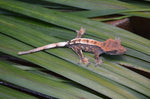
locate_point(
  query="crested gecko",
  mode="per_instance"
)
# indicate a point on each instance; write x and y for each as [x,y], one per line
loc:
[110,46]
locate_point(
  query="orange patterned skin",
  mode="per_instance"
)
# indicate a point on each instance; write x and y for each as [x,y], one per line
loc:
[110,46]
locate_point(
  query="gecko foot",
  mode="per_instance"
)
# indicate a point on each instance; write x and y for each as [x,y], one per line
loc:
[85,61]
[98,62]
[80,32]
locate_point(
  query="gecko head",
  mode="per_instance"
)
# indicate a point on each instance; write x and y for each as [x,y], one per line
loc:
[113,47]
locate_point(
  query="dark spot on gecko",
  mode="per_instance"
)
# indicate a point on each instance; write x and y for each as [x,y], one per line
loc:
[73,41]
[87,41]
[104,43]
[79,40]
[91,42]
[108,44]
[95,42]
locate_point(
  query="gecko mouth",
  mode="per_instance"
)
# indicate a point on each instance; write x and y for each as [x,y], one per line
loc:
[122,50]
[117,52]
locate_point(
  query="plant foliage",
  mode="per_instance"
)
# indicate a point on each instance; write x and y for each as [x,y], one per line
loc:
[26,24]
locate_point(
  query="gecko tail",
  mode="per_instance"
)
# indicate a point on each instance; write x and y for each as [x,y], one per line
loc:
[49,46]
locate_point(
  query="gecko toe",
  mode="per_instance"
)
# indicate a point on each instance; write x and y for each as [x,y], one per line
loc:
[98,62]
[85,61]
[88,64]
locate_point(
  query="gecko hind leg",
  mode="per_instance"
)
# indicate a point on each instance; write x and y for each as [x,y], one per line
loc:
[80,32]
[81,56]
[98,60]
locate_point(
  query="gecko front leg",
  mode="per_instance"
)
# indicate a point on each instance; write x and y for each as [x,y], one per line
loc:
[80,54]
[98,60]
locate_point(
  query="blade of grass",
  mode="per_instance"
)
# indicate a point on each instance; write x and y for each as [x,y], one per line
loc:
[102,69]
[96,13]
[111,5]
[140,14]
[110,19]
[8,93]
[136,63]
[95,4]
[52,78]
[40,83]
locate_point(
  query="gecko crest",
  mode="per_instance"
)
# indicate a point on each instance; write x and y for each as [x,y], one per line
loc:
[110,46]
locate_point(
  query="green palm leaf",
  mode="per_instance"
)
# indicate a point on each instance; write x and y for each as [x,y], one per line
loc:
[103,7]
[8,93]
[44,26]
